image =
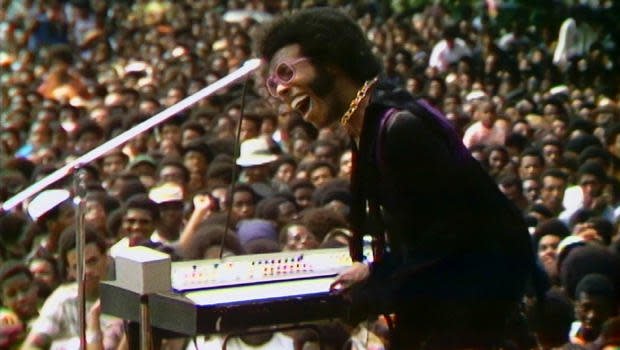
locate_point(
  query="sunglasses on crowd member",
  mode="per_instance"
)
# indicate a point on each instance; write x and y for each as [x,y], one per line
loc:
[283,74]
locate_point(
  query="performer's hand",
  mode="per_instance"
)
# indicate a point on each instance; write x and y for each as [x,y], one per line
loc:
[357,273]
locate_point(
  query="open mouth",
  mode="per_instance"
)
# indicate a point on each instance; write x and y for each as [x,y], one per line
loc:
[301,104]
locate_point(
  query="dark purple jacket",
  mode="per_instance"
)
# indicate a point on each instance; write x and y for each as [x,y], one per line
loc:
[451,233]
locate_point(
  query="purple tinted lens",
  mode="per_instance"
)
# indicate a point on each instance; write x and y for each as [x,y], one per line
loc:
[284,72]
[271,85]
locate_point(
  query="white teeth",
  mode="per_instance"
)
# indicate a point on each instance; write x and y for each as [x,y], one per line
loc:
[297,101]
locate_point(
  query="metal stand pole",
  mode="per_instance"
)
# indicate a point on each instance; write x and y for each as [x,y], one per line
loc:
[145,324]
[79,190]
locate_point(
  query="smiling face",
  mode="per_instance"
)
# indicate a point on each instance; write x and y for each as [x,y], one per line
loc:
[547,254]
[138,224]
[593,310]
[310,90]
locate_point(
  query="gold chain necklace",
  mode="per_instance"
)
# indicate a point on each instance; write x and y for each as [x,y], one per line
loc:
[355,103]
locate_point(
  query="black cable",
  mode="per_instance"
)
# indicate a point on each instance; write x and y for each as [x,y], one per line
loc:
[234,168]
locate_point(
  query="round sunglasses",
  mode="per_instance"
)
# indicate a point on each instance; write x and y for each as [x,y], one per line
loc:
[283,74]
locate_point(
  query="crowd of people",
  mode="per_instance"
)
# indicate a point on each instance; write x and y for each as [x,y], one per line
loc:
[537,106]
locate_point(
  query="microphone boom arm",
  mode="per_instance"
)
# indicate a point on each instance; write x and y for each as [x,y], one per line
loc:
[248,67]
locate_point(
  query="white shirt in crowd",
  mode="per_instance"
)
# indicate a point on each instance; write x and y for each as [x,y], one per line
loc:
[58,319]
[442,55]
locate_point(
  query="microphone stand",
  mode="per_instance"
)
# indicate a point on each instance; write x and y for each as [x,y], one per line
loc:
[80,193]
[234,170]
[73,167]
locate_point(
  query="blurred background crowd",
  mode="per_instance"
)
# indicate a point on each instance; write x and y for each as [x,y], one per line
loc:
[531,86]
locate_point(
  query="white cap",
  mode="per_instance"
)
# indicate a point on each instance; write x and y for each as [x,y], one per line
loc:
[475,95]
[559,90]
[166,192]
[256,151]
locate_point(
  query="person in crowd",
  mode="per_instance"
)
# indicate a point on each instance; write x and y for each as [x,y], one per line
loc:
[322,220]
[449,50]
[170,202]
[487,129]
[554,182]
[552,151]
[63,65]
[324,151]
[171,169]
[284,170]
[280,209]
[250,127]
[297,237]
[531,190]
[143,166]
[241,202]
[19,295]
[171,129]
[98,204]
[302,191]
[575,37]
[197,156]
[595,303]
[220,173]
[191,130]
[45,274]
[531,164]
[315,76]
[112,164]
[57,324]
[511,187]
[345,165]
[591,178]
[321,172]
[498,160]
[138,223]
[546,239]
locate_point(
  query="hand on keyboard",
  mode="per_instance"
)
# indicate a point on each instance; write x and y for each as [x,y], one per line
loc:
[357,273]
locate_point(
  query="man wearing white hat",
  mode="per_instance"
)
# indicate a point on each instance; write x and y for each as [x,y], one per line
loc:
[254,158]
[169,199]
